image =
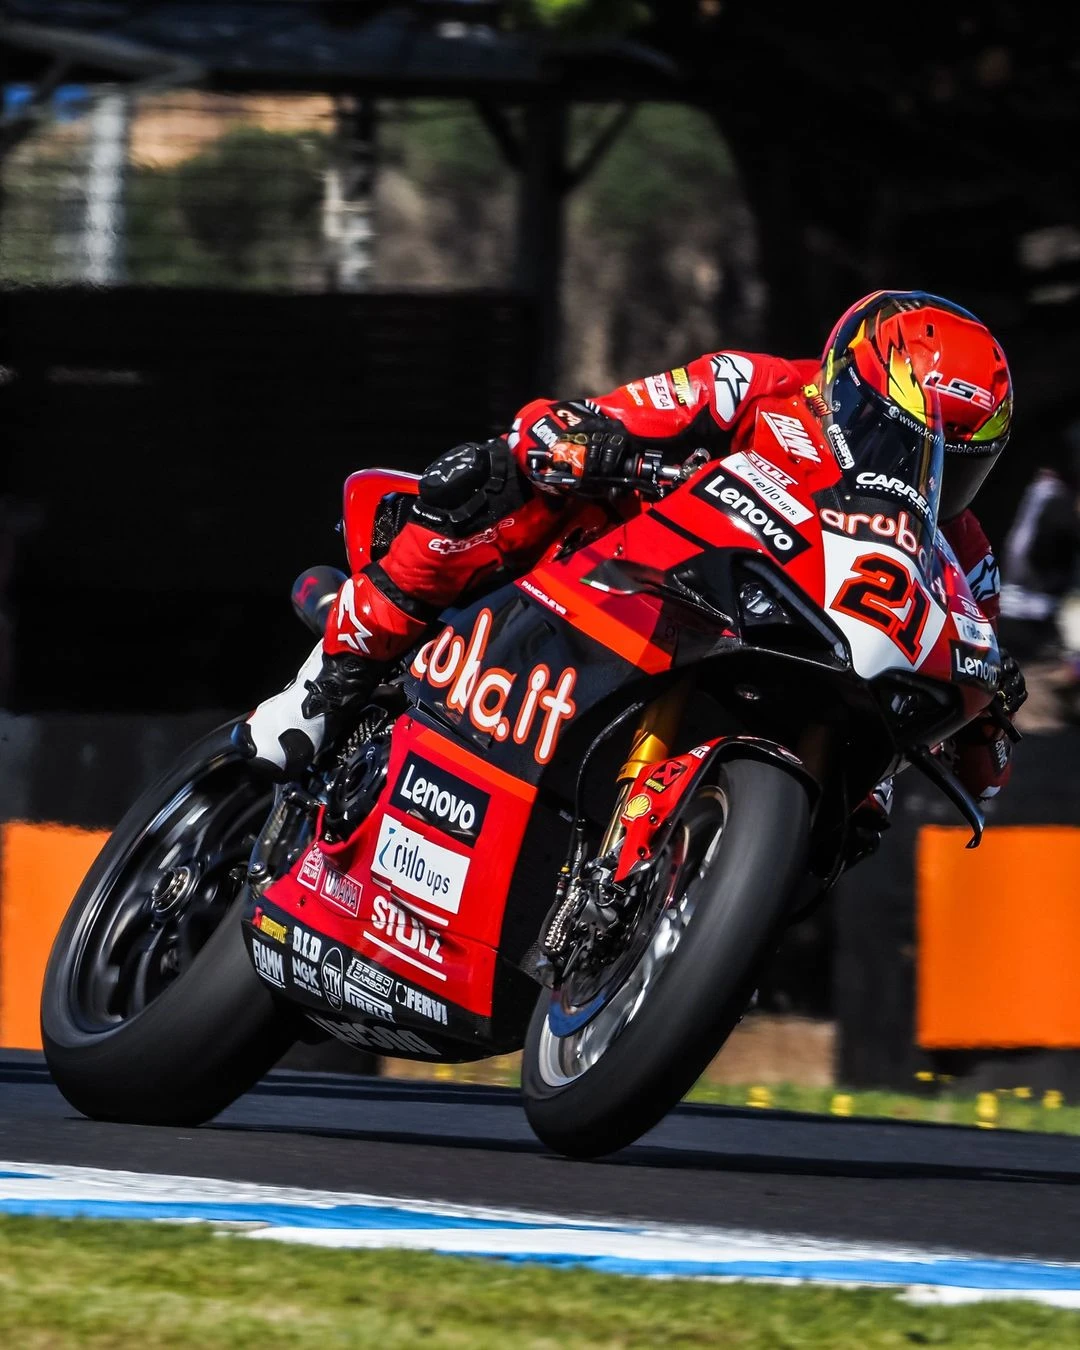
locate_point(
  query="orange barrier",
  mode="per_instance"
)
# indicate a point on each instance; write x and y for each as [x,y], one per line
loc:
[41,867]
[999,937]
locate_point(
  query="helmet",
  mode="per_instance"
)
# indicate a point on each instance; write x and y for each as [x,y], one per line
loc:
[922,358]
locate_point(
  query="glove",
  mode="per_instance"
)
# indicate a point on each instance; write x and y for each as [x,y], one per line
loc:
[579,447]
[1012,687]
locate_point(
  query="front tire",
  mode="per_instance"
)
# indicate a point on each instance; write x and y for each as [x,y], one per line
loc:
[151,1012]
[598,1072]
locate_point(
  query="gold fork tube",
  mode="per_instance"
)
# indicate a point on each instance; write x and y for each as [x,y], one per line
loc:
[652,742]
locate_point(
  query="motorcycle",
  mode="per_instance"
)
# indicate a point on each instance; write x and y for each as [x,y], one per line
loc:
[574,821]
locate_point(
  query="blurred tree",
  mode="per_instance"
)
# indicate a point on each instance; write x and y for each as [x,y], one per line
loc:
[244,212]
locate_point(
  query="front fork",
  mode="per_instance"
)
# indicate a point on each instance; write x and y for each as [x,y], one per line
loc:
[583,882]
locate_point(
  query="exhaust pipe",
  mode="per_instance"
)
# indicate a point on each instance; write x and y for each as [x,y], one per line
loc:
[313,593]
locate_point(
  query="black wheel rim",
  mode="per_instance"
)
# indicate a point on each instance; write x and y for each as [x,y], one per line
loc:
[584,1019]
[157,905]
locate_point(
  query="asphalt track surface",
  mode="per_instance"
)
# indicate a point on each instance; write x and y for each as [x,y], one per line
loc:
[994,1192]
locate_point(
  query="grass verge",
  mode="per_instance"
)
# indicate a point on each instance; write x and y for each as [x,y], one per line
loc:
[92,1283]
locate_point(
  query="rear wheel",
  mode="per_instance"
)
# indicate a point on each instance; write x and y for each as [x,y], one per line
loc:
[151,1012]
[611,1052]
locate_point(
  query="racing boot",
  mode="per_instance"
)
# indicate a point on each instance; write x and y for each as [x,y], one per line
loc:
[285,733]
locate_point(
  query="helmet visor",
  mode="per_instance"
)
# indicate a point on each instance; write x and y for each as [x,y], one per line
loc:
[891,455]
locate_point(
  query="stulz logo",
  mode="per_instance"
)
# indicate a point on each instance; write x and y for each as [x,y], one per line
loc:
[406,933]
[780,538]
[440,798]
[331,973]
[455,663]
[973,667]
[269,963]
[419,867]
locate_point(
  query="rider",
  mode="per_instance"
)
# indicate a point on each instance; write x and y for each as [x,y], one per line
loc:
[491,507]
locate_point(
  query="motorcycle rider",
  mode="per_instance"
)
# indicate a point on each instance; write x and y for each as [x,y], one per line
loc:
[494,507]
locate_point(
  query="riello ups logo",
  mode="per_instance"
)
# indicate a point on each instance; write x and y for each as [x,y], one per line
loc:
[482,693]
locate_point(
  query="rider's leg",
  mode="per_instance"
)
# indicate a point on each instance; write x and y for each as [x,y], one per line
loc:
[475,514]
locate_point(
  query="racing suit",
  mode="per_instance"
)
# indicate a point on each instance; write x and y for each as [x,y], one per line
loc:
[482,510]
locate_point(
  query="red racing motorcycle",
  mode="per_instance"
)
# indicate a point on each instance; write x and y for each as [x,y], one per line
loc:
[575,822]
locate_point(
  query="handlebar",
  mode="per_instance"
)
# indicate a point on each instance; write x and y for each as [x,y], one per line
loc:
[641,471]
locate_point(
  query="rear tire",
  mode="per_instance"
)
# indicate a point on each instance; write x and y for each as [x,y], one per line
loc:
[151,1012]
[732,867]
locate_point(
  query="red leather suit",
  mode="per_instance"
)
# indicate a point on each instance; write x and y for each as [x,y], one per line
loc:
[709,402]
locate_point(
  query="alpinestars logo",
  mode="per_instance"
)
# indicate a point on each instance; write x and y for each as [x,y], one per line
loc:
[349,628]
[731,380]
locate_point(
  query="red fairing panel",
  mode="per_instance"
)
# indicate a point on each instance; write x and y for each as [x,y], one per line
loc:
[424,903]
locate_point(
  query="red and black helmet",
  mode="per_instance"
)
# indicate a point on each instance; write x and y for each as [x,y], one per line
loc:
[925,358]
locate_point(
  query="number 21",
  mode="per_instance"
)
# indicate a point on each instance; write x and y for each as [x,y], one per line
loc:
[885,594]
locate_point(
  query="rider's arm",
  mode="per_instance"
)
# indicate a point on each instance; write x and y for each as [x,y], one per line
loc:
[699,404]
[981,754]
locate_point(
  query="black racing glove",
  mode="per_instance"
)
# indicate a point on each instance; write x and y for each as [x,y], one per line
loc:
[578,447]
[1012,687]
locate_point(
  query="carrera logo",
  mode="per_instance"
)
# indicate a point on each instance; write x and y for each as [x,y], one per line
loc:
[440,799]
[378,981]
[973,667]
[792,435]
[455,663]
[406,937]
[895,487]
[331,976]
[768,490]
[419,867]
[341,891]
[781,539]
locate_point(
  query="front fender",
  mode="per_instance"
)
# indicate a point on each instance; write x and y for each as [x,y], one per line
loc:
[652,805]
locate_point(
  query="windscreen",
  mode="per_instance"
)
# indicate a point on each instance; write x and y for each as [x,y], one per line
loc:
[891,462]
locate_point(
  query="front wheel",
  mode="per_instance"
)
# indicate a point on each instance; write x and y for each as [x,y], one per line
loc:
[151,1012]
[606,1057]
